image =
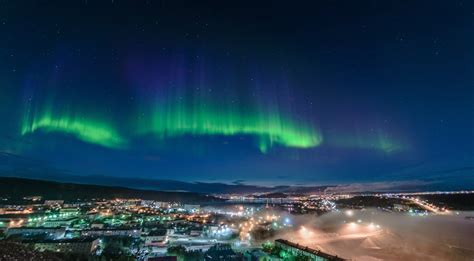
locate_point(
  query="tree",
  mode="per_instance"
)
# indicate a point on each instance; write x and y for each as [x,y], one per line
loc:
[267,247]
[194,256]
[277,250]
[176,250]
[117,248]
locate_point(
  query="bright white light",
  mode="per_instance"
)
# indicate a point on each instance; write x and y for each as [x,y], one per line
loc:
[352,225]
[349,213]
[304,232]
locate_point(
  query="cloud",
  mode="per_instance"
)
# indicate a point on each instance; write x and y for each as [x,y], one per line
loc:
[379,186]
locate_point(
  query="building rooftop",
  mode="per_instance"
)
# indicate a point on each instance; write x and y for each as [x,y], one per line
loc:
[11,216]
[68,240]
[309,250]
[157,232]
[37,228]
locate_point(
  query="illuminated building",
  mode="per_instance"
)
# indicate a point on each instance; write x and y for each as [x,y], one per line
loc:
[59,222]
[111,232]
[53,202]
[36,231]
[157,237]
[79,246]
[296,249]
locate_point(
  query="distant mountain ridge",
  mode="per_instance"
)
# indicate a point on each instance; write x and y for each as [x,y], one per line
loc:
[236,187]
[429,178]
[17,188]
[167,185]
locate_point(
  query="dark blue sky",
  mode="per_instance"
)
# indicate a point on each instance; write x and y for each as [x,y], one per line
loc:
[386,85]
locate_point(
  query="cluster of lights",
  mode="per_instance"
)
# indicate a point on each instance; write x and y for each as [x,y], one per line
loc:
[222,231]
[355,225]
[55,216]
[241,212]
[358,223]
[17,223]
[269,221]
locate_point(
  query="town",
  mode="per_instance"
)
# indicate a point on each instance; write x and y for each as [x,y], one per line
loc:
[237,228]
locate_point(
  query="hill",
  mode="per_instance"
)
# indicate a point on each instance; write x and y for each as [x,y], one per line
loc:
[17,188]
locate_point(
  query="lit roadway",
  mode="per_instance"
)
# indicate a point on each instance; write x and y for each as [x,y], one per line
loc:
[425,206]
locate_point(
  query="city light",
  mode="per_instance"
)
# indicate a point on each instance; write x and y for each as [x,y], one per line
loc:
[349,213]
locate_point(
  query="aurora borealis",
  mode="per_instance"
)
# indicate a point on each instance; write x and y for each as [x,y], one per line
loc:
[269,93]
[84,129]
[269,128]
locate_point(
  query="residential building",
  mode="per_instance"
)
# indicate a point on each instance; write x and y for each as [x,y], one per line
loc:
[78,246]
[296,249]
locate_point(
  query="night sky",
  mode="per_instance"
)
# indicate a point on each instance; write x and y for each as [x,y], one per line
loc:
[316,92]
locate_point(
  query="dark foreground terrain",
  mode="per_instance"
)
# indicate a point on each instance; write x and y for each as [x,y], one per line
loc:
[17,188]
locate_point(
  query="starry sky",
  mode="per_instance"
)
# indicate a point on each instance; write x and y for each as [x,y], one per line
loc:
[267,92]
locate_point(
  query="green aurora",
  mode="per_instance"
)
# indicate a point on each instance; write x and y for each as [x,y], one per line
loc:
[165,120]
[85,129]
[270,127]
